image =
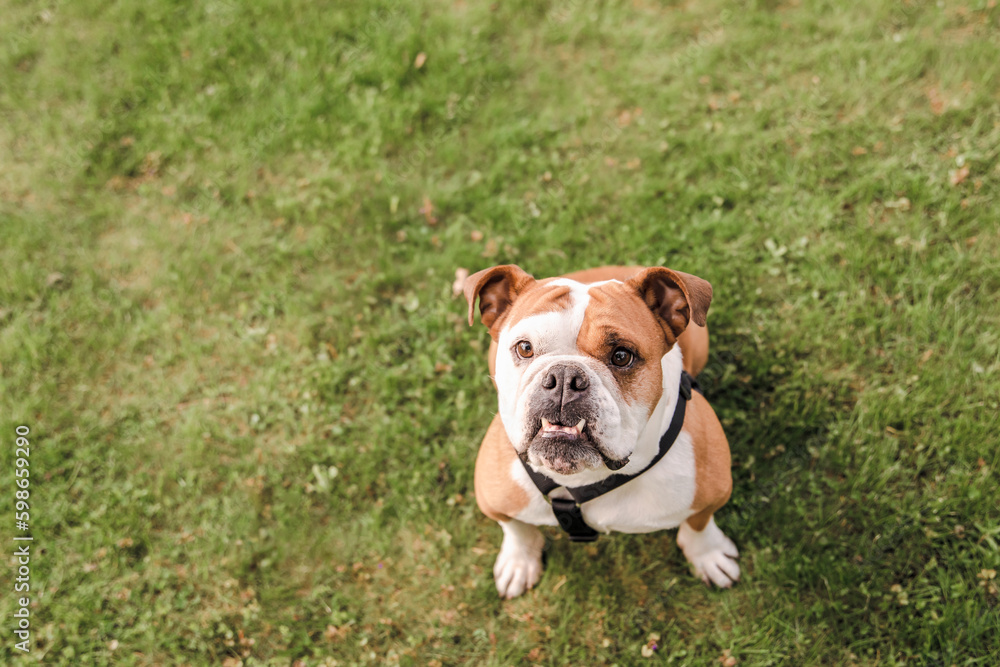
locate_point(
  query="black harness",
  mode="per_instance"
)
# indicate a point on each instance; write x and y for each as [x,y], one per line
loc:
[568,512]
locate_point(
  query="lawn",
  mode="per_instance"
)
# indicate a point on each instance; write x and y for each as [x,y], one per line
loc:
[229,237]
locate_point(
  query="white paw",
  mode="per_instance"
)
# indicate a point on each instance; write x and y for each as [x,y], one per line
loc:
[712,555]
[717,567]
[519,564]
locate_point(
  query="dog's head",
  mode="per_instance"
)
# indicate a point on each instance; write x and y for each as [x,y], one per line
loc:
[578,367]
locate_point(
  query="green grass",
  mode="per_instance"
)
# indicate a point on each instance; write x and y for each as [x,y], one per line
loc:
[226,315]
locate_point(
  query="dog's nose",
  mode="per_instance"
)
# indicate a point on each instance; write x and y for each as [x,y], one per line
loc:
[566,381]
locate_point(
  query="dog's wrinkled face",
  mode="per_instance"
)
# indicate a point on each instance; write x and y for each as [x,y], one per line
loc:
[578,368]
[578,374]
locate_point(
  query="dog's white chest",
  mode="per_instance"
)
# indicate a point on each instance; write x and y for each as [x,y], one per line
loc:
[658,499]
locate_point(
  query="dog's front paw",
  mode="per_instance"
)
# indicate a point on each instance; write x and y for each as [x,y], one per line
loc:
[516,572]
[717,567]
[519,565]
[712,555]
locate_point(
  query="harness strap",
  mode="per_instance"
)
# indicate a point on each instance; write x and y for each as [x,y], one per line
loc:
[570,518]
[568,512]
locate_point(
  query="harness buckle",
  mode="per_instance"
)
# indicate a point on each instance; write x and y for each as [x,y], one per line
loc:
[570,519]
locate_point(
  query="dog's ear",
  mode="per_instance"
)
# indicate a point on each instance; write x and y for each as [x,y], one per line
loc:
[675,298]
[496,288]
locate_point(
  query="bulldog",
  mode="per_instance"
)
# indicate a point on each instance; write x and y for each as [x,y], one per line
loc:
[597,428]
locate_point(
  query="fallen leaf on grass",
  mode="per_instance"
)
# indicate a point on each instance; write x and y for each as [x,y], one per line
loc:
[428,211]
[956,176]
[458,286]
[626,116]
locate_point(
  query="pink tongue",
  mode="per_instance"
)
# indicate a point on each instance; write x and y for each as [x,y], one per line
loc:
[560,429]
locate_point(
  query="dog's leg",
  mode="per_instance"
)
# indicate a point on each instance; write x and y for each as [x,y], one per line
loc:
[519,564]
[710,552]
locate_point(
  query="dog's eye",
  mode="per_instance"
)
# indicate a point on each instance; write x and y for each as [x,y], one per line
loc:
[524,350]
[622,357]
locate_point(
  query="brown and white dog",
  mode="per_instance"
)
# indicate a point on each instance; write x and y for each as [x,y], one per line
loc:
[588,371]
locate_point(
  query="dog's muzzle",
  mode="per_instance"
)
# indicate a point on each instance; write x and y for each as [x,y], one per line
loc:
[562,410]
